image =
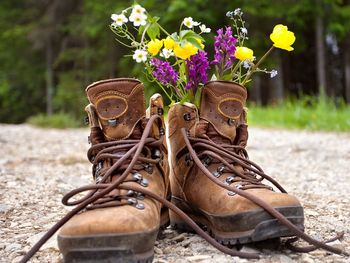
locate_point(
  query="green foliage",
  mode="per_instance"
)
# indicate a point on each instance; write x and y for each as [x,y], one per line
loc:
[84,49]
[59,121]
[308,113]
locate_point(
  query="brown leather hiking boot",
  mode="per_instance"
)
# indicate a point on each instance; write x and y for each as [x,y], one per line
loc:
[119,223]
[212,179]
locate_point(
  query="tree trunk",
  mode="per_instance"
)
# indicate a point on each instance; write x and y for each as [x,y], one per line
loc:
[347,69]
[255,94]
[49,77]
[276,84]
[320,56]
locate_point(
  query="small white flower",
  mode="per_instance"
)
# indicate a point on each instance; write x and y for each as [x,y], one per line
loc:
[138,19]
[273,73]
[188,21]
[244,30]
[138,9]
[254,58]
[140,55]
[237,12]
[246,64]
[119,20]
[229,14]
[166,53]
[204,29]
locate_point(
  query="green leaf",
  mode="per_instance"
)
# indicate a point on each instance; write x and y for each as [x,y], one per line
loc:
[185,34]
[194,42]
[175,36]
[141,29]
[153,31]
[227,77]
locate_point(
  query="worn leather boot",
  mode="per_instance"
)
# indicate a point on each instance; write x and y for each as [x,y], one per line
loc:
[128,152]
[212,179]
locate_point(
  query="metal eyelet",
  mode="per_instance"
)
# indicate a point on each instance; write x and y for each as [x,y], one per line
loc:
[144,182]
[221,168]
[137,177]
[207,160]
[187,116]
[230,193]
[86,120]
[148,168]
[140,206]
[113,122]
[130,193]
[161,131]
[229,180]
[98,179]
[160,111]
[231,122]
[216,174]
[132,201]
[156,153]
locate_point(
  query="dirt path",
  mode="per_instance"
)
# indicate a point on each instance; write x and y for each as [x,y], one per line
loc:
[38,166]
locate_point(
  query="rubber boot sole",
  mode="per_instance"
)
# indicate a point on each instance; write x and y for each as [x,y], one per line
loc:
[111,248]
[240,228]
[130,248]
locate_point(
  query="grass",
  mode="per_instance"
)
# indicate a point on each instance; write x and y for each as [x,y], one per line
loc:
[308,113]
[58,120]
[316,114]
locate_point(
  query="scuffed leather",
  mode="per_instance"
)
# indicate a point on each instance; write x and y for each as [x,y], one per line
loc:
[187,181]
[222,105]
[122,100]
[124,219]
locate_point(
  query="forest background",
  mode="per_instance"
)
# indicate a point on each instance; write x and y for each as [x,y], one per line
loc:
[50,50]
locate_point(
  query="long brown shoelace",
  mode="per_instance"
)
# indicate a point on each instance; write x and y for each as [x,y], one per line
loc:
[228,154]
[99,194]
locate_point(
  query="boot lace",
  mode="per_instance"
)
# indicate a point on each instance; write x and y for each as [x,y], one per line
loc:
[251,177]
[134,155]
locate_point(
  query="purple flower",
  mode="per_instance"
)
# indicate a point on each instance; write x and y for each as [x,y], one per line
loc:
[197,67]
[164,72]
[225,47]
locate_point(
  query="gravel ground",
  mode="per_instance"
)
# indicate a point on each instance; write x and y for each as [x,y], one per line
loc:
[38,166]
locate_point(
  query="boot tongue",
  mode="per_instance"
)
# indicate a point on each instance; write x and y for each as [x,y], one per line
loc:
[222,105]
[120,105]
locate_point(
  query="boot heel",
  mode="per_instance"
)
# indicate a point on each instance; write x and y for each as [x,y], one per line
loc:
[177,223]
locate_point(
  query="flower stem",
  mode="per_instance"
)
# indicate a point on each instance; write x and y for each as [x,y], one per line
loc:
[257,65]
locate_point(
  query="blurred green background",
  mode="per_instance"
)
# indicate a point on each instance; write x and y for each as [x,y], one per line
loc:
[50,50]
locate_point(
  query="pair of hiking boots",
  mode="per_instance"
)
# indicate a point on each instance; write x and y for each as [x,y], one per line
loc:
[209,177]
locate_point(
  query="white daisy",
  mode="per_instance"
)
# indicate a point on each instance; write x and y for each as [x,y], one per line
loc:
[166,53]
[119,20]
[138,9]
[188,22]
[138,19]
[244,30]
[140,55]
[237,12]
[204,29]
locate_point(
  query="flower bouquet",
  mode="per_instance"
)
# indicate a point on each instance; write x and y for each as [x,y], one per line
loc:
[178,62]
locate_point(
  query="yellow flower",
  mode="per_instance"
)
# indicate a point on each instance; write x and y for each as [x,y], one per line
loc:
[169,43]
[185,51]
[154,46]
[282,38]
[244,53]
